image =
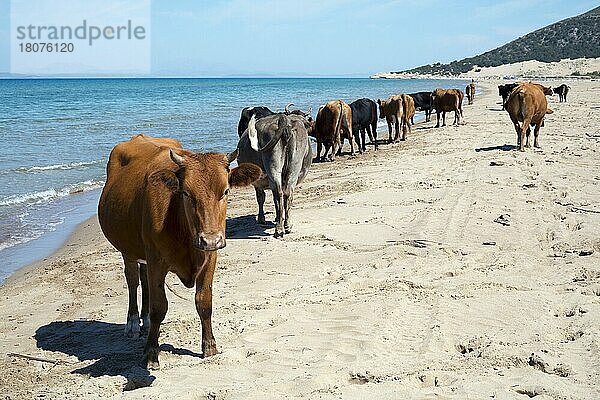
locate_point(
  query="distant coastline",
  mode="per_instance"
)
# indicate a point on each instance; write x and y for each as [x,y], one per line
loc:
[580,68]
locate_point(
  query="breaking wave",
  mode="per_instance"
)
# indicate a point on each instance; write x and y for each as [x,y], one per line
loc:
[50,194]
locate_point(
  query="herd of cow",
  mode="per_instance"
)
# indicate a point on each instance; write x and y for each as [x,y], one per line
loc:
[164,208]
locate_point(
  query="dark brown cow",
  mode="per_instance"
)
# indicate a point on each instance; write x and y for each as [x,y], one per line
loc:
[164,209]
[527,104]
[470,91]
[392,110]
[334,121]
[445,100]
[408,104]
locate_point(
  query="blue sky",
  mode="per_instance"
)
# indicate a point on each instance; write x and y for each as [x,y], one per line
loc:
[327,37]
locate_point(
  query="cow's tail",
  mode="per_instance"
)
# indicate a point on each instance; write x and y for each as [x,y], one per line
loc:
[283,128]
[405,119]
[522,105]
[290,153]
[339,121]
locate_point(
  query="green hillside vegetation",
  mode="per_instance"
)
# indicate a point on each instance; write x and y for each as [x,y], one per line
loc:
[576,37]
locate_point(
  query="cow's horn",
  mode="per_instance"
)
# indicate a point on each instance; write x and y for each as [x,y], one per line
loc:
[252,133]
[232,156]
[177,159]
[287,111]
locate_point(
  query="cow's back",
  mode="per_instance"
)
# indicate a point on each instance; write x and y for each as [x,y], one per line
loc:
[447,100]
[527,101]
[393,107]
[364,112]
[121,205]
[327,120]
[408,104]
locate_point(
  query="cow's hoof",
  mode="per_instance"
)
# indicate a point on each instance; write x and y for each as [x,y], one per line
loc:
[288,229]
[278,233]
[151,360]
[261,220]
[132,329]
[209,349]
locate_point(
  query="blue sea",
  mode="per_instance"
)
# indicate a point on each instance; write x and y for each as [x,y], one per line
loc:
[56,136]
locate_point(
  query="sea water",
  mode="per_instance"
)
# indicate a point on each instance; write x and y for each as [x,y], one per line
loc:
[57,134]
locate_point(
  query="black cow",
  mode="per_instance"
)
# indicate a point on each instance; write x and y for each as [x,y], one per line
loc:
[423,102]
[247,113]
[562,91]
[505,90]
[364,119]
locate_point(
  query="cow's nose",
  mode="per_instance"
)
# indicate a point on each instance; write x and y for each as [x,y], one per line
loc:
[211,241]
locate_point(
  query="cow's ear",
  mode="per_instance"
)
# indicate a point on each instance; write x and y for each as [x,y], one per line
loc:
[244,175]
[167,179]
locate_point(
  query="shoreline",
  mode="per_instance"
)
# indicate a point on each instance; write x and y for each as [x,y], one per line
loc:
[386,287]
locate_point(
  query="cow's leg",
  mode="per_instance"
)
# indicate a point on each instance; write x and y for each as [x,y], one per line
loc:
[132,276]
[397,130]
[288,199]
[517,130]
[319,147]
[443,118]
[528,135]
[438,119]
[331,156]
[158,310]
[204,304]
[536,132]
[373,131]
[362,146]
[260,199]
[524,128]
[277,190]
[389,131]
[145,300]
[348,133]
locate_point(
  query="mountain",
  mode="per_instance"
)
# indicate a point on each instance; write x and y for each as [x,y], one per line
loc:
[576,37]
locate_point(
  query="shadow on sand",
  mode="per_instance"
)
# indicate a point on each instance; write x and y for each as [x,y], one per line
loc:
[105,344]
[504,147]
[246,227]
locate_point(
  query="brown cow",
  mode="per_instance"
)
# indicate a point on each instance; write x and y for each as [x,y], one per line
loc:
[393,111]
[164,209]
[470,91]
[445,100]
[527,104]
[334,121]
[408,104]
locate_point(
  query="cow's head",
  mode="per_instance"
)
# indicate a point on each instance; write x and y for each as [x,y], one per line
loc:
[547,90]
[202,180]
[381,104]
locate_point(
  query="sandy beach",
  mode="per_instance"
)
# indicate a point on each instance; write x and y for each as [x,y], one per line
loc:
[450,266]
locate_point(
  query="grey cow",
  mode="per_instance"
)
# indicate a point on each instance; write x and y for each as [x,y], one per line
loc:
[279,145]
